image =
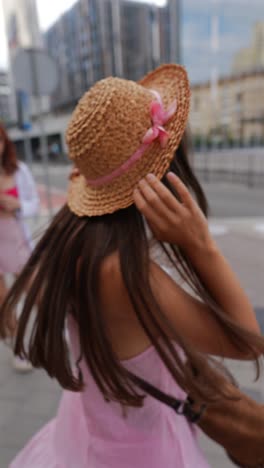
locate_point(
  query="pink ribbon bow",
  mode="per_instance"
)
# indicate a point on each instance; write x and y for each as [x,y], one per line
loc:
[159,117]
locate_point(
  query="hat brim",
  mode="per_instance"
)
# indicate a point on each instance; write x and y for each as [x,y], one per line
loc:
[171,81]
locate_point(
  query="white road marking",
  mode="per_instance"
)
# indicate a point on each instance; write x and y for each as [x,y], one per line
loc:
[259,227]
[218,229]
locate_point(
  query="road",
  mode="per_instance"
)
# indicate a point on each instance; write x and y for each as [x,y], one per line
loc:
[234,200]
[226,200]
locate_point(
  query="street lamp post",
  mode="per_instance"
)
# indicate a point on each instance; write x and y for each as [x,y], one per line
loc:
[155,34]
[118,56]
[215,50]
[175,30]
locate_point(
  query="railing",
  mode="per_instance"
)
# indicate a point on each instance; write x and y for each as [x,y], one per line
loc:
[239,165]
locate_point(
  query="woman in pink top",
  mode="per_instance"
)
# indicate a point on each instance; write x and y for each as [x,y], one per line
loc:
[18,199]
[126,316]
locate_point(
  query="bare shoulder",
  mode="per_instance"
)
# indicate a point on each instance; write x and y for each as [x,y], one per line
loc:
[113,292]
[111,280]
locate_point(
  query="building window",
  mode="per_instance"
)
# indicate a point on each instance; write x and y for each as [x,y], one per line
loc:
[239,102]
[196,103]
[239,97]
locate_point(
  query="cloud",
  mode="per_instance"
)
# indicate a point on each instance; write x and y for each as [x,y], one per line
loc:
[50,10]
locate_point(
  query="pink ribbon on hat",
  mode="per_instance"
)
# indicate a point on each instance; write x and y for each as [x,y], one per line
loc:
[159,117]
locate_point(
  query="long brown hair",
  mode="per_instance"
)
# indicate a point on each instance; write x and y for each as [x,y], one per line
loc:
[9,158]
[53,266]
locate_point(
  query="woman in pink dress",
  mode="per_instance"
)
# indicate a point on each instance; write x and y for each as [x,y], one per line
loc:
[18,200]
[125,314]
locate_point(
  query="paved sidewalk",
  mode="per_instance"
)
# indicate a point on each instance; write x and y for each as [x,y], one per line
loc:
[28,401]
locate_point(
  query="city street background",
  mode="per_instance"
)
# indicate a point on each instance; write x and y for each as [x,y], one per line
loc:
[221,44]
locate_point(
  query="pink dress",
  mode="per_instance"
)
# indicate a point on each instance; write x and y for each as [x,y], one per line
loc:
[88,432]
[14,248]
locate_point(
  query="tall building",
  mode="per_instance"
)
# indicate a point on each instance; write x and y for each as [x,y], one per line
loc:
[21,21]
[22,30]
[252,57]
[136,35]
[4,97]
[98,38]
[170,19]
[238,114]
[150,36]
[81,42]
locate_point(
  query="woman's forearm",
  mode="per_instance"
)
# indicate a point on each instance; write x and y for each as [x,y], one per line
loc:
[223,284]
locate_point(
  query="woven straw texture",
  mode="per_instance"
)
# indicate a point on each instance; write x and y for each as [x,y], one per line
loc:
[108,126]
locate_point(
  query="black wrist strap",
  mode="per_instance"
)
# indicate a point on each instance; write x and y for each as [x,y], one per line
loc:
[182,407]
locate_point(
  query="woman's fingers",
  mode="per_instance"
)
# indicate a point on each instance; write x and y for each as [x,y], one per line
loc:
[181,189]
[161,198]
[178,222]
[153,198]
[164,194]
[146,209]
[158,205]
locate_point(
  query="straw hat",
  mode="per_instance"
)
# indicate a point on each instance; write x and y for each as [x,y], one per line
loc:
[119,132]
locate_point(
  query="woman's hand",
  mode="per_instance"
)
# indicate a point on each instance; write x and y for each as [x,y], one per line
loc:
[74,173]
[177,222]
[9,203]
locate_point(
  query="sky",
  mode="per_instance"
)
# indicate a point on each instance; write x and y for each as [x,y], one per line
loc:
[236,21]
[49,10]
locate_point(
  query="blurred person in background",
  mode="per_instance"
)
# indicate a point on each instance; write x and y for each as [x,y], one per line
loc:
[18,200]
[125,314]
